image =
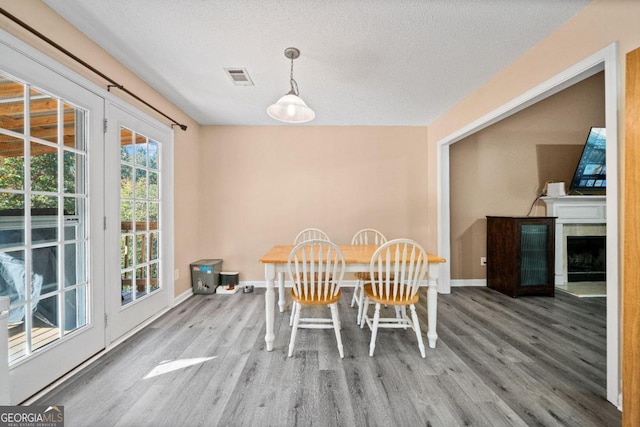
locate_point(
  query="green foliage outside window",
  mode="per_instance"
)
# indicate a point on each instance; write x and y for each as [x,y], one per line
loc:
[44,177]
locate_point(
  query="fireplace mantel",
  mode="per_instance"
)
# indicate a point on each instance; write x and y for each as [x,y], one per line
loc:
[579,210]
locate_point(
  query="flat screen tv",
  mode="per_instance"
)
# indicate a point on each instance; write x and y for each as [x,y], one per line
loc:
[590,177]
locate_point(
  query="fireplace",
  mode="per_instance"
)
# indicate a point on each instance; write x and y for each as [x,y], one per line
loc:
[586,258]
[583,218]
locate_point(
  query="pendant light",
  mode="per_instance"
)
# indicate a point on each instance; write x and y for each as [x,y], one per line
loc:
[291,108]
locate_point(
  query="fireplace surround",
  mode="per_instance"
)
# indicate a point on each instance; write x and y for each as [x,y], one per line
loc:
[576,216]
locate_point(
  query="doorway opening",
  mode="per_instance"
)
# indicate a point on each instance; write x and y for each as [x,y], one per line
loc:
[606,59]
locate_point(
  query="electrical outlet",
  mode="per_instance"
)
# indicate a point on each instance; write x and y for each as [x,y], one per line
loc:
[176,274]
[483,261]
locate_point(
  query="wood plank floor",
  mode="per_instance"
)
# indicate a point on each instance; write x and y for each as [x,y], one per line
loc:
[499,361]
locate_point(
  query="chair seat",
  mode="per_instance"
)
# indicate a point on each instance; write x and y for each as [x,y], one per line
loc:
[316,299]
[388,299]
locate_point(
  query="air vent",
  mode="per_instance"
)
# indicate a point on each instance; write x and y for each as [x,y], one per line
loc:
[239,76]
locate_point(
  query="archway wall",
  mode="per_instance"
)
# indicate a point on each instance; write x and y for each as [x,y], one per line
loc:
[501,169]
[598,25]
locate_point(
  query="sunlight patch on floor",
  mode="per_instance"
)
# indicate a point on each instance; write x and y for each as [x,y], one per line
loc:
[167,366]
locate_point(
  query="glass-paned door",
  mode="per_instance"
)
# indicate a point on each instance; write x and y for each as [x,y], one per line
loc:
[43,216]
[139,203]
[51,256]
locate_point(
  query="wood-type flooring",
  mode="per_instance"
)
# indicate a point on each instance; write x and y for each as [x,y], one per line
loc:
[499,361]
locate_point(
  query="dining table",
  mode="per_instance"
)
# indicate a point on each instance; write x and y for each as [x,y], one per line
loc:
[357,259]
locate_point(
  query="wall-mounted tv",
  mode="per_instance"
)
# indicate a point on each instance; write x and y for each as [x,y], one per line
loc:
[590,177]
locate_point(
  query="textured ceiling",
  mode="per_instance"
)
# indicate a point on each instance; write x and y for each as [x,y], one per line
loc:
[363,62]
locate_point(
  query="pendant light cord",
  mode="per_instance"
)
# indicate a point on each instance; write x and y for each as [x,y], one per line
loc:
[294,84]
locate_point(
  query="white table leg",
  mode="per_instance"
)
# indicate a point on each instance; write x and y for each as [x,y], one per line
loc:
[269,303]
[432,304]
[281,291]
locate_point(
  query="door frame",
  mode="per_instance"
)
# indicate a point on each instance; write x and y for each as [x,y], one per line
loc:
[605,59]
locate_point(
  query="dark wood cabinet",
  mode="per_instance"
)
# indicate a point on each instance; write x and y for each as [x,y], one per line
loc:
[520,255]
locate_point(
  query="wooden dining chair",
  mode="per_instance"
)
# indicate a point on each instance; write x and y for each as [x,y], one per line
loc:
[304,235]
[366,236]
[316,268]
[397,268]
[310,234]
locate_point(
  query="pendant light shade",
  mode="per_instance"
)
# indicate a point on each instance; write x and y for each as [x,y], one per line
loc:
[291,108]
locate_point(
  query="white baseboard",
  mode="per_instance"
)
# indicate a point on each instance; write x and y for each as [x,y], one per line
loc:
[182,297]
[254,283]
[468,282]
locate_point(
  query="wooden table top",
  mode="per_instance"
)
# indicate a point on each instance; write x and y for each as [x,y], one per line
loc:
[353,254]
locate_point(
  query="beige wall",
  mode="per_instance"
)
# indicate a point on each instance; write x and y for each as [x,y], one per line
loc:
[187,193]
[261,185]
[599,24]
[503,168]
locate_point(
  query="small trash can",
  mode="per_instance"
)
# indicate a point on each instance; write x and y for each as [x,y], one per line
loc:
[229,280]
[205,275]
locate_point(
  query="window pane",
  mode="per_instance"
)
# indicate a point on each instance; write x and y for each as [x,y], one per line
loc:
[126,290]
[154,241]
[75,272]
[74,168]
[141,248]
[126,216]
[73,120]
[44,222]
[141,281]
[12,284]
[11,106]
[141,150]
[11,163]
[153,215]
[153,186]
[12,224]
[44,168]
[45,324]
[17,335]
[44,116]
[74,207]
[12,202]
[126,251]
[141,215]
[45,269]
[75,311]
[126,182]
[44,205]
[141,184]
[126,145]
[153,154]
[154,277]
